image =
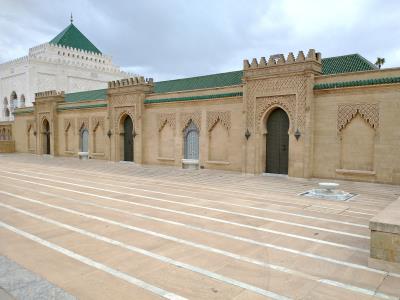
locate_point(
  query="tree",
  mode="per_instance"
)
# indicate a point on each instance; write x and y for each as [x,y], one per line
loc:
[379,62]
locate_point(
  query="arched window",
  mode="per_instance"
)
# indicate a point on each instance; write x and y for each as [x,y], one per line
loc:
[191,142]
[7,112]
[5,102]
[13,99]
[22,101]
[13,96]
[84,140]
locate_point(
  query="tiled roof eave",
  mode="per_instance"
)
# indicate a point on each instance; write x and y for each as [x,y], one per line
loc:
[199,90]
[357,83]
[194,98]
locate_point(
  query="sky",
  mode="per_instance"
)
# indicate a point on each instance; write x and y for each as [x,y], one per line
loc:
[175,38]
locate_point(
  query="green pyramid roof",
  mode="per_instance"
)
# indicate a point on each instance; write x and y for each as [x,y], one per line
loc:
[72,37]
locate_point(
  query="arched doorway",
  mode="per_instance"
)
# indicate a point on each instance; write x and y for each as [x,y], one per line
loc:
[191,142]
[46,137]
[84,140]
[277,142]
[128,139]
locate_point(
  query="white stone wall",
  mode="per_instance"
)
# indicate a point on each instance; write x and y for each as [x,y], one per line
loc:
[50,67]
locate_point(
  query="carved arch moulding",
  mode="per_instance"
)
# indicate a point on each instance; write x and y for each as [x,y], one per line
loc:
[120,112]
[83,123]
[291,85]
[186,117]
[43,116]
[30,124]
[68,123]
[166,118]
[223,116]
[369,112]
[97,122]
[287,102]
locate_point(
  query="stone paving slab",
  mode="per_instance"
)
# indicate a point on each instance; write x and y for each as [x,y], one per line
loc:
[201,234]
[16,282]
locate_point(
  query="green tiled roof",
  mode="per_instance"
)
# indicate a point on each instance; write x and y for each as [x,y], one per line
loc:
[346,64]
[200,82]
[72,37]
[330,65]
[86,95]
[342,84]
[192,98]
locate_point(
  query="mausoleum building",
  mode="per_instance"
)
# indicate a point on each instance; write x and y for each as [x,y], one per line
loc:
[299,114]
[69,62]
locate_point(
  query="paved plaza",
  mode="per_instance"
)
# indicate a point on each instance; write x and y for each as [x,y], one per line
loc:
[103,230]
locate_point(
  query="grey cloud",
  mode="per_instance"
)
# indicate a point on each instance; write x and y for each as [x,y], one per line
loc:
[168,39]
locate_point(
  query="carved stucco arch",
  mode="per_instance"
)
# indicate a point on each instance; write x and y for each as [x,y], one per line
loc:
[42,118]
[121,117]
[213,117]
[30,125]
[97,122]
[68,125]
[83,123]
[194,117]
[166,118]
[368,112]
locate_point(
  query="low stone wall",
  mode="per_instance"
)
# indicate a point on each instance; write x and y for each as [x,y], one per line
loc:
[7,146]
[385,239]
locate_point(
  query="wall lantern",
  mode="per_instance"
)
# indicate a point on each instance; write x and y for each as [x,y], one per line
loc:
[247,134]
[297,134]
[109,133]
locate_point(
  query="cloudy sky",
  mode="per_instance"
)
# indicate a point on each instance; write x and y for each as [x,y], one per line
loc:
[168,39]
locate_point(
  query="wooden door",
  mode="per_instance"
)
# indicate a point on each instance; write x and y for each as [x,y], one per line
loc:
[277,142]
[128,139]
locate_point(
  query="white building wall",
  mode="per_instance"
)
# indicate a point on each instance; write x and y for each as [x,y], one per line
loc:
[51,67]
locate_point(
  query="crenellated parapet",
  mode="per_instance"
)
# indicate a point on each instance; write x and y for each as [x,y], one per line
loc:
[68,56]
[15,62]
[64,55]
[277,63]
[132,81]
[47,94]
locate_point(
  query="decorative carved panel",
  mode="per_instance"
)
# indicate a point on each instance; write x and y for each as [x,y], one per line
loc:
[68,122]
[287,102]
[186,117]
[121,111]
[223,116]
[369,112]
[83,122]
[43,116]
[295,85]
[166,118]
[123,100]
[30,124]
[97,121]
